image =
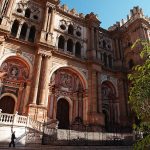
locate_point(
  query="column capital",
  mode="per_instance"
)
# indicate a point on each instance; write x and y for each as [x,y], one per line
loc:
[2,39]
[28,83]
[45,53]
[48,4]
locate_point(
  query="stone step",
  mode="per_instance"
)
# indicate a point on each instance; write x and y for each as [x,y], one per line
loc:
[40,147]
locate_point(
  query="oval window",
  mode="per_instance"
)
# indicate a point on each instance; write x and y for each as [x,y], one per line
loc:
[63,27]
[78,33]
[19,10]
[35,17]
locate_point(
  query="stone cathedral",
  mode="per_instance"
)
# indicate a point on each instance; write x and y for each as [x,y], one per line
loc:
[62,65]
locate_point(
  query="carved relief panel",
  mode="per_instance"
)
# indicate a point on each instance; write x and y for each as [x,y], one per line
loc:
[15,69]
[66,81]
[17,75]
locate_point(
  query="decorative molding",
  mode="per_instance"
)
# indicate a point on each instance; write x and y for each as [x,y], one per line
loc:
[111,79]
[29,56]
[44,53]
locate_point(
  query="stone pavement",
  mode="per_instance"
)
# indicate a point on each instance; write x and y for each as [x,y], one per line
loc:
[40,147]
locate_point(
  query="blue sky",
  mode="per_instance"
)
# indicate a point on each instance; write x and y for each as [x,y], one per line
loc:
[108,11]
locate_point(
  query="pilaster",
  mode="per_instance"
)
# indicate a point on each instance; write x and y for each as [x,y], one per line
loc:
[92,38]
[26,98]
[19,107]
[2,41]
[95,116]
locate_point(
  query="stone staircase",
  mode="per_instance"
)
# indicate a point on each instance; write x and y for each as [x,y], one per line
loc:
[30,133]
[27,129]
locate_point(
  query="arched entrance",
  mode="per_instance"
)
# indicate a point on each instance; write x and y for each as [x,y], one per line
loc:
[67,85]
[63,113]
[18,71]
[110,106]
[7,104]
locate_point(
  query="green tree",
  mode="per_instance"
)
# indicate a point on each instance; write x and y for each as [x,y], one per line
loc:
[139,94]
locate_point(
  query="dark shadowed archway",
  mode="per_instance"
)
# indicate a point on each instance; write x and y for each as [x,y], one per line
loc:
[7,104]
[63,114]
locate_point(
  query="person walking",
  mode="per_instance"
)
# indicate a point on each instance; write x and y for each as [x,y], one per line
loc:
[13,137]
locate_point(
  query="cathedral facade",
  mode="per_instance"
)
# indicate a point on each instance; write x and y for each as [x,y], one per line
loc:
[63,66]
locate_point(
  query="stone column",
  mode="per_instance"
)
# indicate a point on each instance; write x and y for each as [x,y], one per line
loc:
[27,34]
[97,39]
[74,114]
[51,106]
[92,38]
[82,51]
[19,30]
[74,48]
[19,106]
[10,8]
[45,18]
[56,44]
[2,40]
[94,92]
[36,78]
[65,47]
[26,98]
[99,93]
[44,81]
[54,107]
[123,106]
[48,20]
[52,21]
[117,48]
[85,109]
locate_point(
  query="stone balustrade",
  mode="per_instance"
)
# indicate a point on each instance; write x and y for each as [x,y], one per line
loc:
[26,121]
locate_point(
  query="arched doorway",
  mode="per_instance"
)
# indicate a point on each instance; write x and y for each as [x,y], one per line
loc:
[66,83]
[7,104]
[18,71]
[110,107]
[63,114]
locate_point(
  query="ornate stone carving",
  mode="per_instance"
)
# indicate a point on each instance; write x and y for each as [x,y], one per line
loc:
[113,80]
[29,56]
[22,5]
[15,69]
[66,82]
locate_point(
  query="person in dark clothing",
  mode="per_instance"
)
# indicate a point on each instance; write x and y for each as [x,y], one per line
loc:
[13,137]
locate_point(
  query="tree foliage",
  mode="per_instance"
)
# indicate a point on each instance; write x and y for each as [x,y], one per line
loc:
[139,94]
